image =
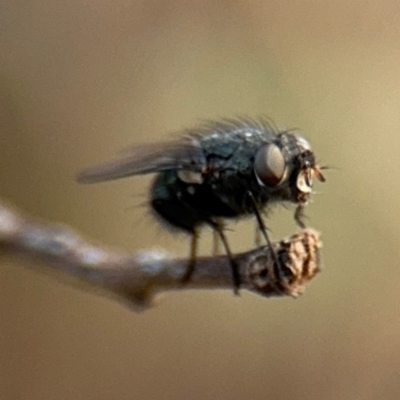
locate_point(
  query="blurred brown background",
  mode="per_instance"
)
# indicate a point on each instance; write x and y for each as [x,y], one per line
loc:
[81,80]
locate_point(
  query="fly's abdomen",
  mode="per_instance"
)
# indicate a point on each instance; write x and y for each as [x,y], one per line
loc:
[186,206]
[168,202]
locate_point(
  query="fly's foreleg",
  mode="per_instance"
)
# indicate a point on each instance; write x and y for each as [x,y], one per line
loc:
[277,264]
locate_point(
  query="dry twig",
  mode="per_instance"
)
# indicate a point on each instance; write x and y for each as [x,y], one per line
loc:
[137,278]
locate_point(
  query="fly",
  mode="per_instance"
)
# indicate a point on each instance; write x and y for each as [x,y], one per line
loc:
[221,170]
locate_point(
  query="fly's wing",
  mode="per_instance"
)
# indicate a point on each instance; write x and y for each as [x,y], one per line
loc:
[147,159]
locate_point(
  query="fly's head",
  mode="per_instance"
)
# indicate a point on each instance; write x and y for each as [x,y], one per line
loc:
[286,168]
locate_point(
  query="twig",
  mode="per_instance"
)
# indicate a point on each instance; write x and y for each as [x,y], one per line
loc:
[137,278]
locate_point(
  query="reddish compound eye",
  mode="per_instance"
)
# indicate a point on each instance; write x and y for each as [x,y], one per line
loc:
[270,165]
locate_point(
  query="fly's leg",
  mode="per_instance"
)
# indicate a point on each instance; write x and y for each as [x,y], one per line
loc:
[277,265]
[192,261]
[216,243]
[299,216]
[257,235]
[218,228]
[167,205]
[260,221]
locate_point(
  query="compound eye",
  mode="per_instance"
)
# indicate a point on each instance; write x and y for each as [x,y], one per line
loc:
[270,165]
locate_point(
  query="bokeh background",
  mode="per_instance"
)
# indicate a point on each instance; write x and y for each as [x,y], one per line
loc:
[80,80]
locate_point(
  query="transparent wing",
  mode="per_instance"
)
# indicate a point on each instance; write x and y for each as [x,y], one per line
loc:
[146,159]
